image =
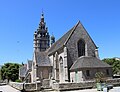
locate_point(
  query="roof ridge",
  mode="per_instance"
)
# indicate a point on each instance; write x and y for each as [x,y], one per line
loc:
[88,35]
[71,32]
[63,40]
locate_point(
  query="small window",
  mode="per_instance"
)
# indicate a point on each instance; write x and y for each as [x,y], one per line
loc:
[87,72]
[107,71]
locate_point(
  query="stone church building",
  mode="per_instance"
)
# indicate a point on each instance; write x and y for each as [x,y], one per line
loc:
[72,58]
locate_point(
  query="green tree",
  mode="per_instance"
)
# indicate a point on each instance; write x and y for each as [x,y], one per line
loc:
[0,74]
[114,63]
[10,71]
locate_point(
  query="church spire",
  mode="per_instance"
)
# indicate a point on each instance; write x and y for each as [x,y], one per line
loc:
[42,22]
[42,17]
[41,36]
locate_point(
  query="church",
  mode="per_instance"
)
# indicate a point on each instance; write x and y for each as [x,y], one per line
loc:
[72,58]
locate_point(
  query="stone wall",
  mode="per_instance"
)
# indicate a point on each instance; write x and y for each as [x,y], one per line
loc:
[3,82]
[83,85]
[82,76]
[46,83]
[79,33]
[63,86]
[26,86]
[73,86]
[43,72]
[94,71]
[16,85]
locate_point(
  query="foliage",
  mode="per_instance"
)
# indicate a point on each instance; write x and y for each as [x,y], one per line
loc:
[115,65]
[10,71]
[100,77]
[0,74]
[18,80]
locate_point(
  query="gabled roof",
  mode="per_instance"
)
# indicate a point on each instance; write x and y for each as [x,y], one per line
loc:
[88,62]
[22,71]
[62,41]
[42,58]
[29,64]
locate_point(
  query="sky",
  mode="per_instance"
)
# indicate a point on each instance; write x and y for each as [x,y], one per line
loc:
[20,18]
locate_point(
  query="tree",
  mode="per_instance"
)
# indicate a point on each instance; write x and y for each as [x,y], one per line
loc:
[114,63]
[10,71]
[0,74]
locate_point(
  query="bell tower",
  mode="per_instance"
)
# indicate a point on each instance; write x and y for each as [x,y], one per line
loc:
[41,36]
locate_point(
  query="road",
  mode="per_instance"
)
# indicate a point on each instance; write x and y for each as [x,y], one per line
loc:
[7,88]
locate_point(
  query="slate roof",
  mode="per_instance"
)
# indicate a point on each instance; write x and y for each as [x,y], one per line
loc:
[88,62]
[22,71]
[42,58]
[29,64]
[61,42]
[64,39]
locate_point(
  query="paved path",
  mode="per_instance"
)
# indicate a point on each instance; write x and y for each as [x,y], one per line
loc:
[7,88]
[115,89]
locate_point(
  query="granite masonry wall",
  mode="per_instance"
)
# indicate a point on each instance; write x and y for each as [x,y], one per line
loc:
[79,33]
[63,86]
[27,86]
[83,85]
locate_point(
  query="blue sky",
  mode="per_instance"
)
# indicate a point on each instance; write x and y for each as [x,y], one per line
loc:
[20,18]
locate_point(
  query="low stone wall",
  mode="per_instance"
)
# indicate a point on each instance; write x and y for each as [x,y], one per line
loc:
[26,86]
[83,85]
[46,83]
[70,86]
[3,82]
[16,85]
[61,86]
[114,82]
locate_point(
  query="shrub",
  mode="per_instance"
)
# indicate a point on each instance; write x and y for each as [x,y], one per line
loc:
[18,80]
[100,78]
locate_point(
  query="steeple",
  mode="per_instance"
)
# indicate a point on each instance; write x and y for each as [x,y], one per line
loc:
[41,36]
[42,17]
[52,39]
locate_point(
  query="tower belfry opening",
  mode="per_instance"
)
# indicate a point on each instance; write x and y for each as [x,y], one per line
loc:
[41,36]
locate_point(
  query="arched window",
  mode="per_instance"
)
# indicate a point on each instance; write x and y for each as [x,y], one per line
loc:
[81,48]
[61,65]
[61,75]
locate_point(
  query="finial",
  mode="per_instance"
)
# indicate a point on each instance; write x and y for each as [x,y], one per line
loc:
[22,64]
[42,12]
[42,16]
[52,33]
[52,37]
